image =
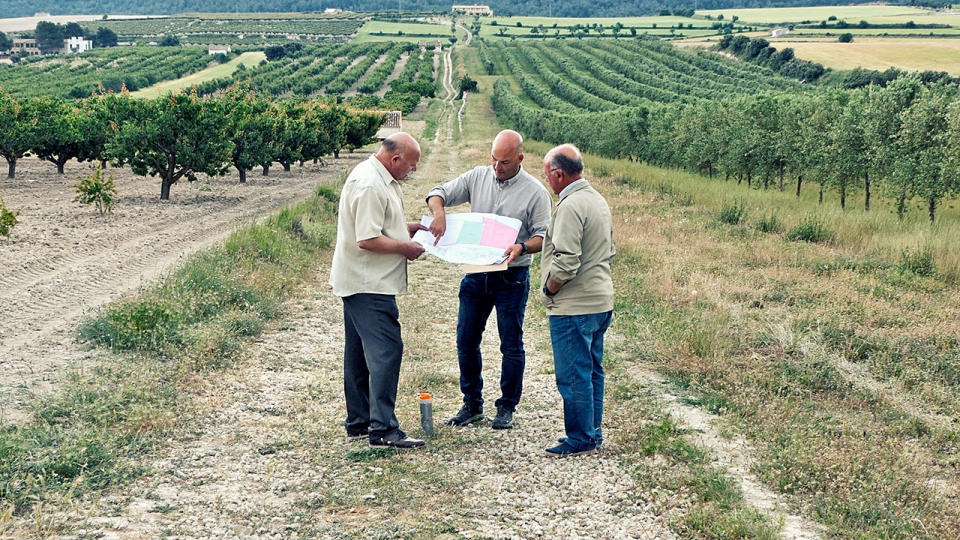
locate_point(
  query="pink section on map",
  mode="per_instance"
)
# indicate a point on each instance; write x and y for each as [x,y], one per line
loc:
[496,234]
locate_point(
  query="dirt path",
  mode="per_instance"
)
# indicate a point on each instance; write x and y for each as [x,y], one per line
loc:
[266,456]
[64,259]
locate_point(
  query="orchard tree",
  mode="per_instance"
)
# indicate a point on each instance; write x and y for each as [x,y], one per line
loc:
[171,137]
[361,130]
[883,124]
[59,135]
[16,134]
[251,127]
[104,113]
[291,134]
[324,125]
[924,145]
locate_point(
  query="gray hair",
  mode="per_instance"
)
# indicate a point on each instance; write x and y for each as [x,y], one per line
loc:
[569,165]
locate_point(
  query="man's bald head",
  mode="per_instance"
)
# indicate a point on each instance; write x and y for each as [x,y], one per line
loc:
[562,166]
[566,158]
[400,154]
[507,154]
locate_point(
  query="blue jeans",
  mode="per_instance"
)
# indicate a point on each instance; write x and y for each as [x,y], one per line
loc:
[578,359]
[372,352]
[506,291]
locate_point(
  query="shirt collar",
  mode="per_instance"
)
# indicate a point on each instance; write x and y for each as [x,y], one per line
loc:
[509,181]
[384,173]
[574,183]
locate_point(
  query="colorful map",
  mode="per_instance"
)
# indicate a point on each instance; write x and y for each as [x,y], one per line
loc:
[471,238]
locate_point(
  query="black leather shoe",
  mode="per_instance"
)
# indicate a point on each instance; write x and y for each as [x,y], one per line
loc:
[397,439]
[466,416]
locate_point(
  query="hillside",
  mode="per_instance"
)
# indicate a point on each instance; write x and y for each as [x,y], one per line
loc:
[571,8]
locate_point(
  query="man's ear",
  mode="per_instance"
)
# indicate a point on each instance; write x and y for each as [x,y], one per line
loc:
[520,157]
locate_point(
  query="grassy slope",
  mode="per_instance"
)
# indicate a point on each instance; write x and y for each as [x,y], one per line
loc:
[220,70]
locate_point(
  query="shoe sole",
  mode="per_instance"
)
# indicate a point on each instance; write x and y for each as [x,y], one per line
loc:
[508,426]
[571,454]
[473,420]
[398,447]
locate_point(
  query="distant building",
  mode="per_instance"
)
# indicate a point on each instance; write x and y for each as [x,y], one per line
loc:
[28,47]
[218,49]
[332,11]
[25,47]
[474,10]
[77,45]
[777,32]
[393,124]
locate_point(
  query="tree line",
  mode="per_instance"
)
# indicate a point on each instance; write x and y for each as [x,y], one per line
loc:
[568,8]
[901,141]
[181,134]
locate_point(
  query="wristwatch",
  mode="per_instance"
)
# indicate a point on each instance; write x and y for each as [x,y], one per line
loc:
[547,292]
[523,248]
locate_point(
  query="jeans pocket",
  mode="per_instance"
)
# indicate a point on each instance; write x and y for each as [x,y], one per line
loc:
[516,278]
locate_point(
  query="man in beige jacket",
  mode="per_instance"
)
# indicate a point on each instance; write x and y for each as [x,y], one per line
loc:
[578,295]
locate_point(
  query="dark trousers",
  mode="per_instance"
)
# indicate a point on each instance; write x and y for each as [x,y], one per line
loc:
[372,352]
[506,291]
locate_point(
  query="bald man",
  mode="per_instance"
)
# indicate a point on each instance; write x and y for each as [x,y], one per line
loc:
[505,189]
[369,269]
[578,296]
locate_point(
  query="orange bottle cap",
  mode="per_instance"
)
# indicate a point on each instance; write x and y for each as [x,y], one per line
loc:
[425,396]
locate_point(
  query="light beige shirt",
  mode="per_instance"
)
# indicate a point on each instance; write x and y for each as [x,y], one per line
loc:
[371,205]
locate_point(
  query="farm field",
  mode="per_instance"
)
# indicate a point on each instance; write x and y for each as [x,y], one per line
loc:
[877,14]
[65,259]
[780,366]
[879,53]
[221,70]
[744,370]
[869,52]
[23,24]
[667,26]
[412,32]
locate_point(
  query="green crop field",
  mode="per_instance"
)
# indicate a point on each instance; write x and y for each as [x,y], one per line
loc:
[412,32]
[215,72]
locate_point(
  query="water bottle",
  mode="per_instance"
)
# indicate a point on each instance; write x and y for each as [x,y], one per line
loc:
[426,413]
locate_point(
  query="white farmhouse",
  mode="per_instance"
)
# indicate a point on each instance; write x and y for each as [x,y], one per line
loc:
[474,10]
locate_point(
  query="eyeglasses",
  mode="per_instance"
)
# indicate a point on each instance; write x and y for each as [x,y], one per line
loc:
[544,177]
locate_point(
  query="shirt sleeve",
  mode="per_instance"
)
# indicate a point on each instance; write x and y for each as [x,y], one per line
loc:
[540,214]
[370,209]
[567,240]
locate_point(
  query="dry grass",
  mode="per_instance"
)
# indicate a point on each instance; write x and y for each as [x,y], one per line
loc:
[840,364]
[879,53]
[876,14]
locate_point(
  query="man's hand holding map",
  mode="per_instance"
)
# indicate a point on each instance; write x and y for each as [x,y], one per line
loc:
[471,238]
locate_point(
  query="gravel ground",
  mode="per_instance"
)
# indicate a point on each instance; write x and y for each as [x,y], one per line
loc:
[266,457]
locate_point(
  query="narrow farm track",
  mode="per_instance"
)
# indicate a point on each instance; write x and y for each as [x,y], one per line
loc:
[64,259]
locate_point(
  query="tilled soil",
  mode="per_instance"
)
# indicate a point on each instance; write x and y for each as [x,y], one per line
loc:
[64,259]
